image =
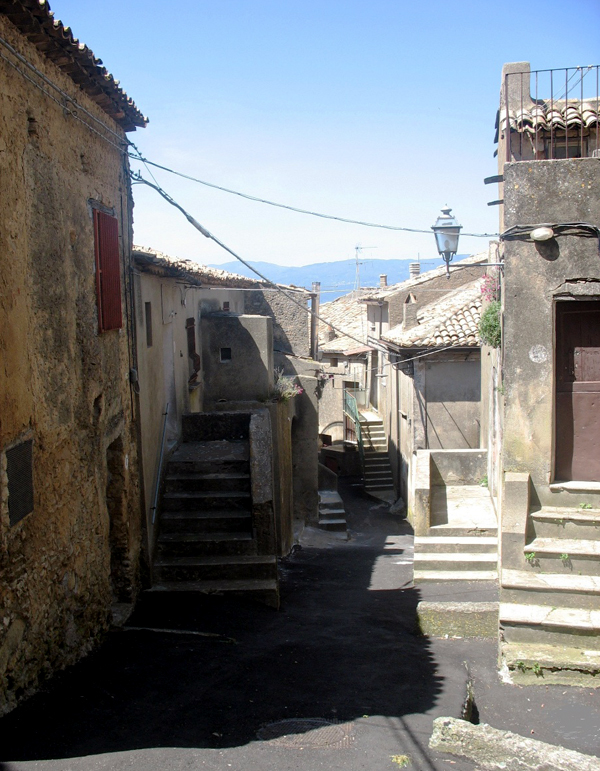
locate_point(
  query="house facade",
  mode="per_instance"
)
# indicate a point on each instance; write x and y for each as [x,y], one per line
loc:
[549,413]
[70,521]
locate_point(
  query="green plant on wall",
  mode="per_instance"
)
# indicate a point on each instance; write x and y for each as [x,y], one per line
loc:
[489,325]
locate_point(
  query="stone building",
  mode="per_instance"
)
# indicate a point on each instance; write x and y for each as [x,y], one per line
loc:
[547,416]
[69,493]
[206,374]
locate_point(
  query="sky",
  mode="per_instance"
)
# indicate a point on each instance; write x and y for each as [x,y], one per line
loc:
[381,111]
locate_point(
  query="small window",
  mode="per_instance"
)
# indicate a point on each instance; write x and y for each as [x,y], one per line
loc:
[226,306]
[108,271]
[148,308]
[225,354]
[19,469]
[333,362]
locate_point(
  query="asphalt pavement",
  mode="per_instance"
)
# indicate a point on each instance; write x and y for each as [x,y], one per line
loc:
[337,678]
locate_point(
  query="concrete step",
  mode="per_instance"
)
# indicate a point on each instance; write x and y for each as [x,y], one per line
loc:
[371,486]
[449,531]
[454,575]
[554,589]
[211,521]
[234,481]
[261,590]
[548,625]
[330,499]
[195,568]
[323,512]
[539,664]
[455,561]
[181,501]
[465,544]
[209,457]
[333,523]
[554,522]
[572,554]
[203,544]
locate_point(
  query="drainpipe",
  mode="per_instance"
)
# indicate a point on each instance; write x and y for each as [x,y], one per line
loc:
[314,321]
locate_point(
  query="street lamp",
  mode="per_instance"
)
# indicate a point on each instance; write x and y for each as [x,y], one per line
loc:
[447,231]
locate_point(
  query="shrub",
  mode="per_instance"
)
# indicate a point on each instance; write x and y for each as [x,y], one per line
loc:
[489,325]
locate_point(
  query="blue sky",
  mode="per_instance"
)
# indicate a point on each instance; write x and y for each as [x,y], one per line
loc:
[371,110]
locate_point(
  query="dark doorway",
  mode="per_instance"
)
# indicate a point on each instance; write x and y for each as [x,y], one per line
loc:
[577,437]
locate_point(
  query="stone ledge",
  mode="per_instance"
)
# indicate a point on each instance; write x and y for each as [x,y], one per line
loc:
[458,619]
[495,749]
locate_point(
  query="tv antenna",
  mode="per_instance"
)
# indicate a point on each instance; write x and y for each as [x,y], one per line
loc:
[358,249]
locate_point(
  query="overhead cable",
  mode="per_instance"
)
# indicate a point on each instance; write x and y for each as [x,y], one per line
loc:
[249,197]
[138,179]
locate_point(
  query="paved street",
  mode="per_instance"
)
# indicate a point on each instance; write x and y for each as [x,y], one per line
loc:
[196,682]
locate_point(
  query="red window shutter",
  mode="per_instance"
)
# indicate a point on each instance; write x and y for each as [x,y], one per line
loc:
[108,273]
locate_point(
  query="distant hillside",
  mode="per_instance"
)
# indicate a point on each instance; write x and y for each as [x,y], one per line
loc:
[337,278]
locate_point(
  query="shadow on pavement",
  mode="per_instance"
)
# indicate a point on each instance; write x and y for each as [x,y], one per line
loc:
[342,647]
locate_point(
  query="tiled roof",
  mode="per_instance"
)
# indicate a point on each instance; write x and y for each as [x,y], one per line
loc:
[56,42]
[383,294]
[153,261]
[349,314]
[451,321]
[552,115]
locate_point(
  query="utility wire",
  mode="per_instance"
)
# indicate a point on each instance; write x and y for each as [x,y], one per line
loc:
[138,179]
[249,197]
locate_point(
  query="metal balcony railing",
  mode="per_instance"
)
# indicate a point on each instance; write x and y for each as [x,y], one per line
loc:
[548,114]
[351,410]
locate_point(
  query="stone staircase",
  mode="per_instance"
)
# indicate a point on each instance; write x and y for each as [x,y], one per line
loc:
[207,540]
[332,514]
[550,607]
[377,468]
[462,541]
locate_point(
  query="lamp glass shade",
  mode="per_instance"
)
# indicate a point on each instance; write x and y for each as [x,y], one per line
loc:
[447,231]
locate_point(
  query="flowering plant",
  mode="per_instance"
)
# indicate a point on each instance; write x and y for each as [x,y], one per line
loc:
[285,388]
[490,289]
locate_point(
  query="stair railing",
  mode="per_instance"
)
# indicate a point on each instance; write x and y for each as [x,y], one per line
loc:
[351,410]
[160,463]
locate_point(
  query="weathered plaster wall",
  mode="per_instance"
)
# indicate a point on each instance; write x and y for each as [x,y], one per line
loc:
[249,372]
[453,394]
[291,325]
[62,384]
[535,276]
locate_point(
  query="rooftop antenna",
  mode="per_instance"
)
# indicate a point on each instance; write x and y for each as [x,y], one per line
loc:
[357,250]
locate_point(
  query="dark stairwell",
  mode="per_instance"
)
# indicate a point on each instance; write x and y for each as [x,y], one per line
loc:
[216,526]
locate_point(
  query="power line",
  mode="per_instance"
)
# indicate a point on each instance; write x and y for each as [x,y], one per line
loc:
[255,198]
[138,179]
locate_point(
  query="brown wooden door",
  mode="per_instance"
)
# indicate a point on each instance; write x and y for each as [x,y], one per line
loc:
[578,391]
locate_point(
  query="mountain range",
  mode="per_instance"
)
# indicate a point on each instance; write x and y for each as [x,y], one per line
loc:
[337,278]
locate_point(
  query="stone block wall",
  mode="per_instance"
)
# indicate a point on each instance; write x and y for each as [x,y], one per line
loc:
[63,385]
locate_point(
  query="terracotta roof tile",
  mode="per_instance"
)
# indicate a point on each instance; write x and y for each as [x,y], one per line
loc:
[349,314]
[451,321]
[383,294]
[547,115]
[55,41]
[153,261]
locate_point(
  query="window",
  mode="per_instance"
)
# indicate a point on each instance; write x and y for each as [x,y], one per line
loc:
[226,306]
[148,309]
[225,354]
[19,469]
[108,274]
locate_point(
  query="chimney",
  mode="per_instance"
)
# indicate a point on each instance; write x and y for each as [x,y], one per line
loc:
[383,280]
[409,318]
[414,269]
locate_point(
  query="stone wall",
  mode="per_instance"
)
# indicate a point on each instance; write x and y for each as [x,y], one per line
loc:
[536,276]
[291,325]
[63,385]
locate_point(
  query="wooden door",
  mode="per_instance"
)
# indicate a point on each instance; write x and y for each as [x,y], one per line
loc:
[577,439]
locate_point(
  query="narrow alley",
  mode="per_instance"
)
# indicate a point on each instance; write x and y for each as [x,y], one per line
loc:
[196,681]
